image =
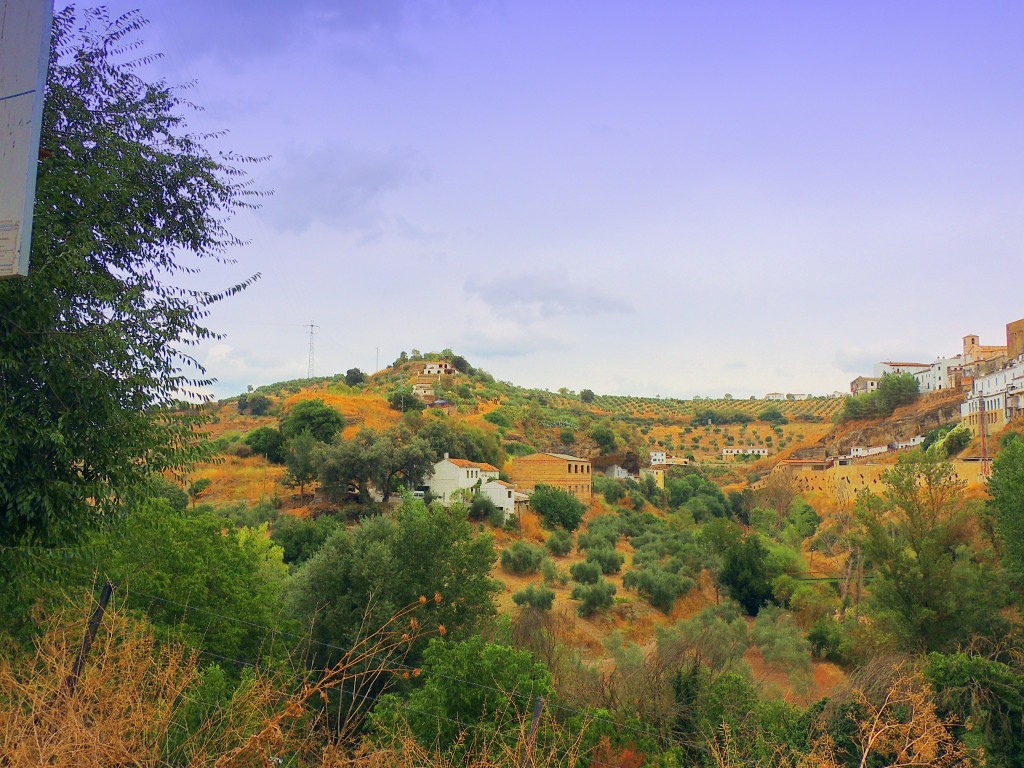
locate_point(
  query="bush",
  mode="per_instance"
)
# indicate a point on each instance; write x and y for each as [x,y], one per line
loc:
[587,572]
[559,543]
[557,507]
[609,560]
[594,597]
[829,641]
[268,442]
[499,418]
[659,586]
[535,597]
[552,574]
[482,508]
[522,558]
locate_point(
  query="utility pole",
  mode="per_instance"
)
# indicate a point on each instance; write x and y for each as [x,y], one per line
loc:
[982,430]
[312,332]
[376,362]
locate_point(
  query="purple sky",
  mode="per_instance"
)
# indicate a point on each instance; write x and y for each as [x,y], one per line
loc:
[645,198]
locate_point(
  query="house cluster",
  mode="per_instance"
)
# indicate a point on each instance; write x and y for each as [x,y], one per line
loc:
[461,479]
[974,362]
[431,372]
[864,451]
[991,375]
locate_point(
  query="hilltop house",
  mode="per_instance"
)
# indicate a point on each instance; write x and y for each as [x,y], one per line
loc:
[731,454]
[775,396]
[863,384]
[659,457]
[438,368]
[567,473]
[451,475]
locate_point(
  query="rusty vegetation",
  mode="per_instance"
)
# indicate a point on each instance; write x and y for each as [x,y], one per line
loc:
[134,706]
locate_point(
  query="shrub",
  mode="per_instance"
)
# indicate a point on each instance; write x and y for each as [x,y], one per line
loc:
[535,597]
[522,558]
[659,586]
[829,641]
[560,543]
[269,442]
[609,560]
[241,450]
[482,508]
[594,597]
[587,572]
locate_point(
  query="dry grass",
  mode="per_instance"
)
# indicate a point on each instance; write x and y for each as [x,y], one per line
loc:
[129,705]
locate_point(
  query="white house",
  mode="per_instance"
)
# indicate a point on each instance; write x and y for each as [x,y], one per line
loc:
[891,367]
[746,450]
[502,494]
[438,368]
[451,475]
[915,440]
[658,457]
[939,375]
[775,396]
[859,451]
[616,472]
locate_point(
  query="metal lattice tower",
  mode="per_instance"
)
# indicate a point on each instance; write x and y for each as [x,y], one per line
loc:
[313,328]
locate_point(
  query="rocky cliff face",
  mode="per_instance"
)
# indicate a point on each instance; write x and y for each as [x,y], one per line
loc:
[893,430]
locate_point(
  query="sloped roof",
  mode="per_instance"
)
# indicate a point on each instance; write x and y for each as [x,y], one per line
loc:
[467,464]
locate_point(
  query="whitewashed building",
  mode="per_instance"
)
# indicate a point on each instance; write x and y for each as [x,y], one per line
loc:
[995,399]
[860,451]
[451,475]
[658,457]
[940,374]
[744,450]
[616,472]
[502,494]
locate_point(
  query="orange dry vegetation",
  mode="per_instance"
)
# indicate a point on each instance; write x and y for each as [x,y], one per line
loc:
[234,479]
[362,409]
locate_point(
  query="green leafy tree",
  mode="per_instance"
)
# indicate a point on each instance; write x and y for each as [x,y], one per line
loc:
[403,399]
[371,458]
[604,437]
[747,574]
[354,377]
[468,686]
[1007,488]
[197,577]
[301,460]
[94,343]
[368,573]
[301,538]
[315,417]
[198,488]
[268,442]
[931,589]
[587,395]
[557,507]
[257,405]
[896,390]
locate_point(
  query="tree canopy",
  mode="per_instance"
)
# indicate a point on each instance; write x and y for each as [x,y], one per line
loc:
[94,343]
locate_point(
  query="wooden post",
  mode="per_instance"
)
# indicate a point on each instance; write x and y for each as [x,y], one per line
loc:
[90,634]
[532,737]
